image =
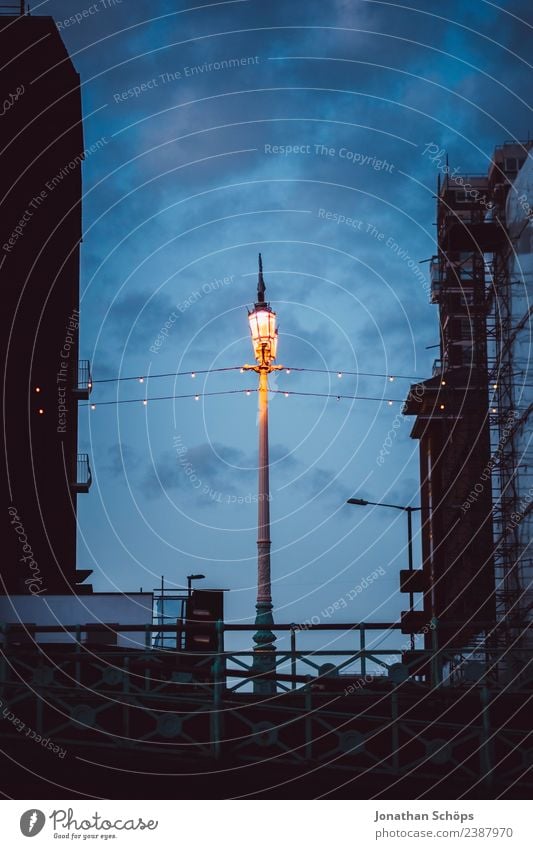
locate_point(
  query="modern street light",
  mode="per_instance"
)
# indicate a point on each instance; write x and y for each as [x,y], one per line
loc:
[362,502]
[265,342]
[190,579]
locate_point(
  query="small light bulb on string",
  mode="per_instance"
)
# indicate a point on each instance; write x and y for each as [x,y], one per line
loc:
[443,383]
[37,388]
[391,379]
[145,402]
[286,394]
[93,406]
[242,371]
[442,406]
[41,411]
[193,374]
[141,380]
[248,392]
[287,371]
[196,397]
[390,403]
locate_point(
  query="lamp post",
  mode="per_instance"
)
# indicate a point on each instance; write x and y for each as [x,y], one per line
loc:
[190,579]
[362,502]
[264,341]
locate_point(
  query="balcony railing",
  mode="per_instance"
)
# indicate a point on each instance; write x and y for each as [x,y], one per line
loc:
[84,477]
[85,382]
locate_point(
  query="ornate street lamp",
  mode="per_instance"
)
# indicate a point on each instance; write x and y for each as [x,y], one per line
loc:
[265,342]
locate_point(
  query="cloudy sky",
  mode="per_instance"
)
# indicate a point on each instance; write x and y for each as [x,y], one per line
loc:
[299,129]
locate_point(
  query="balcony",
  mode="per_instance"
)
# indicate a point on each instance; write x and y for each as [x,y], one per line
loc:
[84,477]
[85,382]
[435,273]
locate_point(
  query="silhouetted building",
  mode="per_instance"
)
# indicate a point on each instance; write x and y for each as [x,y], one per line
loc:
[41,147]
[452,420]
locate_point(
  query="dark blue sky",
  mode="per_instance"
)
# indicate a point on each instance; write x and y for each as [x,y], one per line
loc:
[192,177]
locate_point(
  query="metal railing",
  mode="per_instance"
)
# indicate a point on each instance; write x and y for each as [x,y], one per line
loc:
[294,667]
[84,476]
[85,382]
[14,7]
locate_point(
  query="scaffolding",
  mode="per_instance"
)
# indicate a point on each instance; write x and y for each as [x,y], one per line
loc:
[511,183]
[476,474]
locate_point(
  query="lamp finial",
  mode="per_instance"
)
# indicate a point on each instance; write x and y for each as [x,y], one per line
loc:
[260,283]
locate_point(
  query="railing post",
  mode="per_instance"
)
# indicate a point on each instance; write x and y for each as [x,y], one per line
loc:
[395,732]
[126,691]
[147,647]
[218,683]
[3,664]
[435,659]
[77,664]
[485,749]
[362,647]
[293,657]
[308,721]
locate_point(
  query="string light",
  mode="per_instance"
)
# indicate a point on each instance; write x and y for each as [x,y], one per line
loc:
[145,402]
[442,406]
[443,383]
[390,403]
[286,394]
[197,396]
[241,369]
[41,411]
[37,388]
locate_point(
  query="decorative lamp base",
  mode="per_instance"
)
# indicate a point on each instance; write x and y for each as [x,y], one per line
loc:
[264,660]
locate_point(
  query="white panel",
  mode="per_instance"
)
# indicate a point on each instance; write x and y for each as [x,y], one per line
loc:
[131,609]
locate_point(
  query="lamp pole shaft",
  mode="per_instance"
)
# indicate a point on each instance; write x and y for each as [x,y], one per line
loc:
[264,657]
[263,508]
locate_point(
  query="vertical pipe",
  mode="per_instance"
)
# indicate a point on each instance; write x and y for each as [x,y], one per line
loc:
[362,646]
[410,550]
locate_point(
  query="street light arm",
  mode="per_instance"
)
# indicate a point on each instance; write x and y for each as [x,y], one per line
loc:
[362,502]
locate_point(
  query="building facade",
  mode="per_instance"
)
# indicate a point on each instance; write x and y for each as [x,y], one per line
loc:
[41,154]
